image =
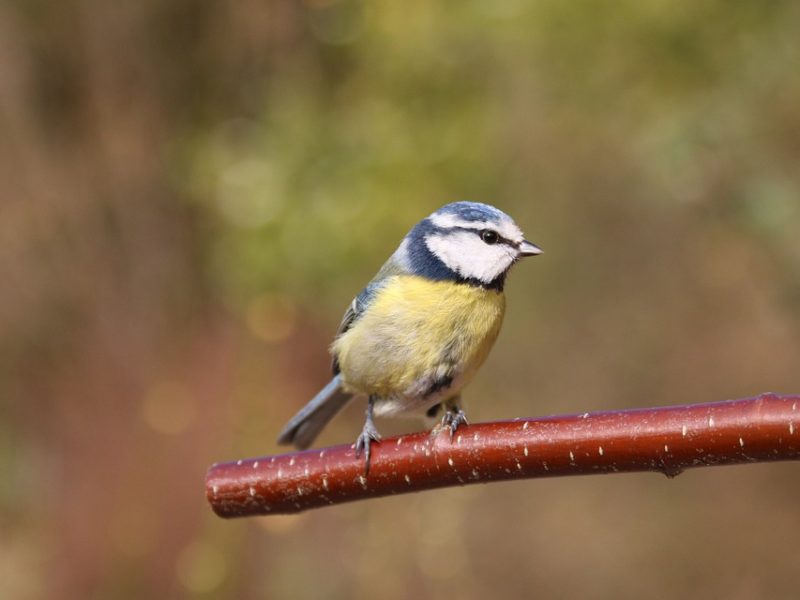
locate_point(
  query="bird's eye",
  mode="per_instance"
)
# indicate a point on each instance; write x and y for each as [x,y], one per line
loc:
[489,236]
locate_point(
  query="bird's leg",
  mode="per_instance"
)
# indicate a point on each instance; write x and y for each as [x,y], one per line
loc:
[368,434]
[453,415]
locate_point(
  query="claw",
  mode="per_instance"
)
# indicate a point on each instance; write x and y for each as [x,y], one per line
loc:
[368,435]
[363,444]
[453,419]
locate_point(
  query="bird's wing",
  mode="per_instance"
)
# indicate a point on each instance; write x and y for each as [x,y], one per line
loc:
[360,303]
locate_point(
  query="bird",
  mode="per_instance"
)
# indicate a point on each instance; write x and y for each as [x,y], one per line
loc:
[417,333]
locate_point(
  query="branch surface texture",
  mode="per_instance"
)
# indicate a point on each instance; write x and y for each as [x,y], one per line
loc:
[667,439]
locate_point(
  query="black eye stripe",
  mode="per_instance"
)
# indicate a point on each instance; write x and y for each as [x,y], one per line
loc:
[478,232]
[500,239]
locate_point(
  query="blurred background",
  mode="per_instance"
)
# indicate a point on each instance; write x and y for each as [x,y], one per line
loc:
[192,193]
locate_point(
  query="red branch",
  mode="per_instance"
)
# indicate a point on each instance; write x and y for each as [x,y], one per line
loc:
[668,440]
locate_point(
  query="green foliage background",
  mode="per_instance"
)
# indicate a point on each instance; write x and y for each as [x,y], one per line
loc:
[193,192]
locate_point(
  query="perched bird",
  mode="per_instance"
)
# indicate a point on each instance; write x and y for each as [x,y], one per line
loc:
[416,335]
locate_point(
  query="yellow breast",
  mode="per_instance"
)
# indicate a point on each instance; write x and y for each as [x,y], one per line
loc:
[416,329]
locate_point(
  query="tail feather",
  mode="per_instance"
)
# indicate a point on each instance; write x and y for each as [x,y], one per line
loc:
[303,428]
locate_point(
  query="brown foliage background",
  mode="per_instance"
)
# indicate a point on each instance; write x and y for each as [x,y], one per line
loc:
[193,191]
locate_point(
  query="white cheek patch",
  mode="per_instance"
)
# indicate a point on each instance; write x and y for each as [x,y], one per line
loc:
[465,253]
[510,231]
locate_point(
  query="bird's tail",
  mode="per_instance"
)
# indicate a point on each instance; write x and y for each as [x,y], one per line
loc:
[304,427]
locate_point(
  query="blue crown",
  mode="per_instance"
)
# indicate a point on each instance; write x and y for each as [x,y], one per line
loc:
[473,211]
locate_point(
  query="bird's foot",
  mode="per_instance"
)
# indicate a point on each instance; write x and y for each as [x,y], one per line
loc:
[368,435]
[453,419]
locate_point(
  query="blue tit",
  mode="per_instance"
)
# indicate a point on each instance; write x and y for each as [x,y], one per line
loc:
[416,335]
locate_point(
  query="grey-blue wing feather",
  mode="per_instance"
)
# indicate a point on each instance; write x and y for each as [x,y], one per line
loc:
[303,428]
[352,314]
[364,299]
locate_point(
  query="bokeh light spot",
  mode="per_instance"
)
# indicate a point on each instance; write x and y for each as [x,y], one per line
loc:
[281,524]
[271,317]
[168,408]
[201,567]
[250,193]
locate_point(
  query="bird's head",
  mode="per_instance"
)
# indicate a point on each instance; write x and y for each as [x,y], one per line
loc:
[466,241]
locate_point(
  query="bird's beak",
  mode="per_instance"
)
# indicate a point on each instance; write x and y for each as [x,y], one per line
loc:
[528,249]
